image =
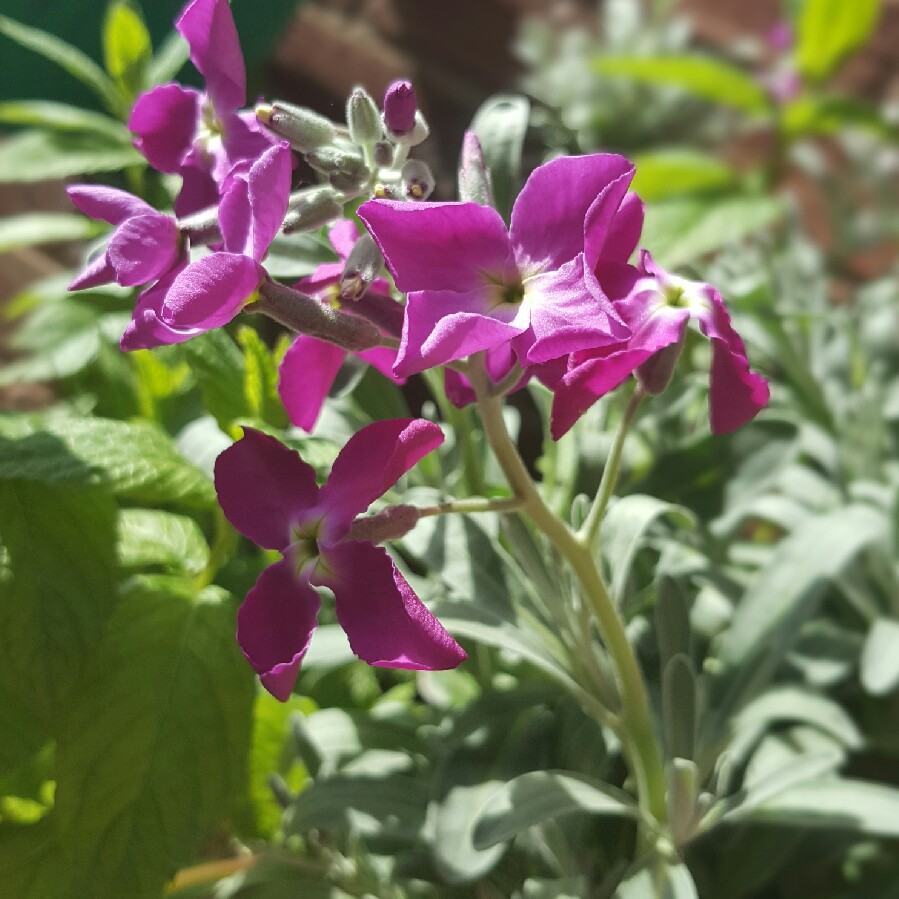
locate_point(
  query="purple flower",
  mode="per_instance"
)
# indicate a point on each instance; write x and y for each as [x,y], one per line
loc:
[657,306]
[473,285]
[208,293]
[310,365]
[270,494]
[144,246]
[201,137]
[400,106]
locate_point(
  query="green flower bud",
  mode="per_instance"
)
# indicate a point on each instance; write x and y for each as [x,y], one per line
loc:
[363,265]
[311,208]
[304,129]
[474,176]
[363,118]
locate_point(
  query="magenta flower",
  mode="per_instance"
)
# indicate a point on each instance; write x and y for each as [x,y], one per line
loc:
[310,365]
[400,106]
[208,293]
[270,494]
[144,246]
[201,137]
[473,285]
[657,306]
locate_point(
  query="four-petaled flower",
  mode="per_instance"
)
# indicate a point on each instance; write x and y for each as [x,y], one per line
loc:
[201,137]
[657,306]
[270,494]
[472,285]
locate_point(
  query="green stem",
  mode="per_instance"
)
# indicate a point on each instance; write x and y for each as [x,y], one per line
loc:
[460,422]
[475,504]
[593,522]
[636,717]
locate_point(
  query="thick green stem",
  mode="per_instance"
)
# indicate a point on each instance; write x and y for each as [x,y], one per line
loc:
[638,731]
[593,522]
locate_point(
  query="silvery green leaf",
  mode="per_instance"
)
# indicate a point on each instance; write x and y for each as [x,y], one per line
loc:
[880,657]
[680,706]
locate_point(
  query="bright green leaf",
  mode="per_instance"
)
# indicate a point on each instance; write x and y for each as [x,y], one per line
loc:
[261,379]
[702,76]
[29,861]
[829,30]
[152,537]
[152,752]
[669,173]
[34,228]
[67,57]
[540,796]
[832,115]
[126,47]
[220,370]
[169,59]
[135,461]
[46,155]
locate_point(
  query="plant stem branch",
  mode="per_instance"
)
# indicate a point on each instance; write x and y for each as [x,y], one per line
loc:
[474,504]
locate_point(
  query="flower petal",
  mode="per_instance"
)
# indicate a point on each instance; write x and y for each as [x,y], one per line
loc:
[548,216]
[146,329]
[383,359]
[566,315]
[601,219]
[144,248]
[208,27]
[438,246]
[305,376]
[263,488]
[107,203]
[165,122]
[387,624]
[269,181]
[211,291]
[370,463]
[97,271]
[624,232]
[274,626]
[444,325]
[736,394]
[343,236]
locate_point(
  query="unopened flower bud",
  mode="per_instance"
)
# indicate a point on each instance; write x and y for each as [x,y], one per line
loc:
[306,315]
[416,135]
[474,176]
[363,118]
[400,106]
[304,129]
[383,154]
[418,180]
[655,373]
[390,524]
[311,208]
[363,265]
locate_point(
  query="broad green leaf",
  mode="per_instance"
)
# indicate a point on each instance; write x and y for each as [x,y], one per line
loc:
[22,733]
[880,657]
[540,796]
[48,155]
[669,173]
[785,594]
[50,116]
[680,706]
[855,806]
[544,888]
[684,230]
[702,76]
[168,60]
[126,47]
[297,255]
[34,228]
[220,370]
[29,861]
[261,379]
[152,752]
[61,544]
[67,57]
[501,124]
[829,30]
[152,537]
[673,882]
[135,461]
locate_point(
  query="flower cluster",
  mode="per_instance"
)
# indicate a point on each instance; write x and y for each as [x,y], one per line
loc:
[555,296]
